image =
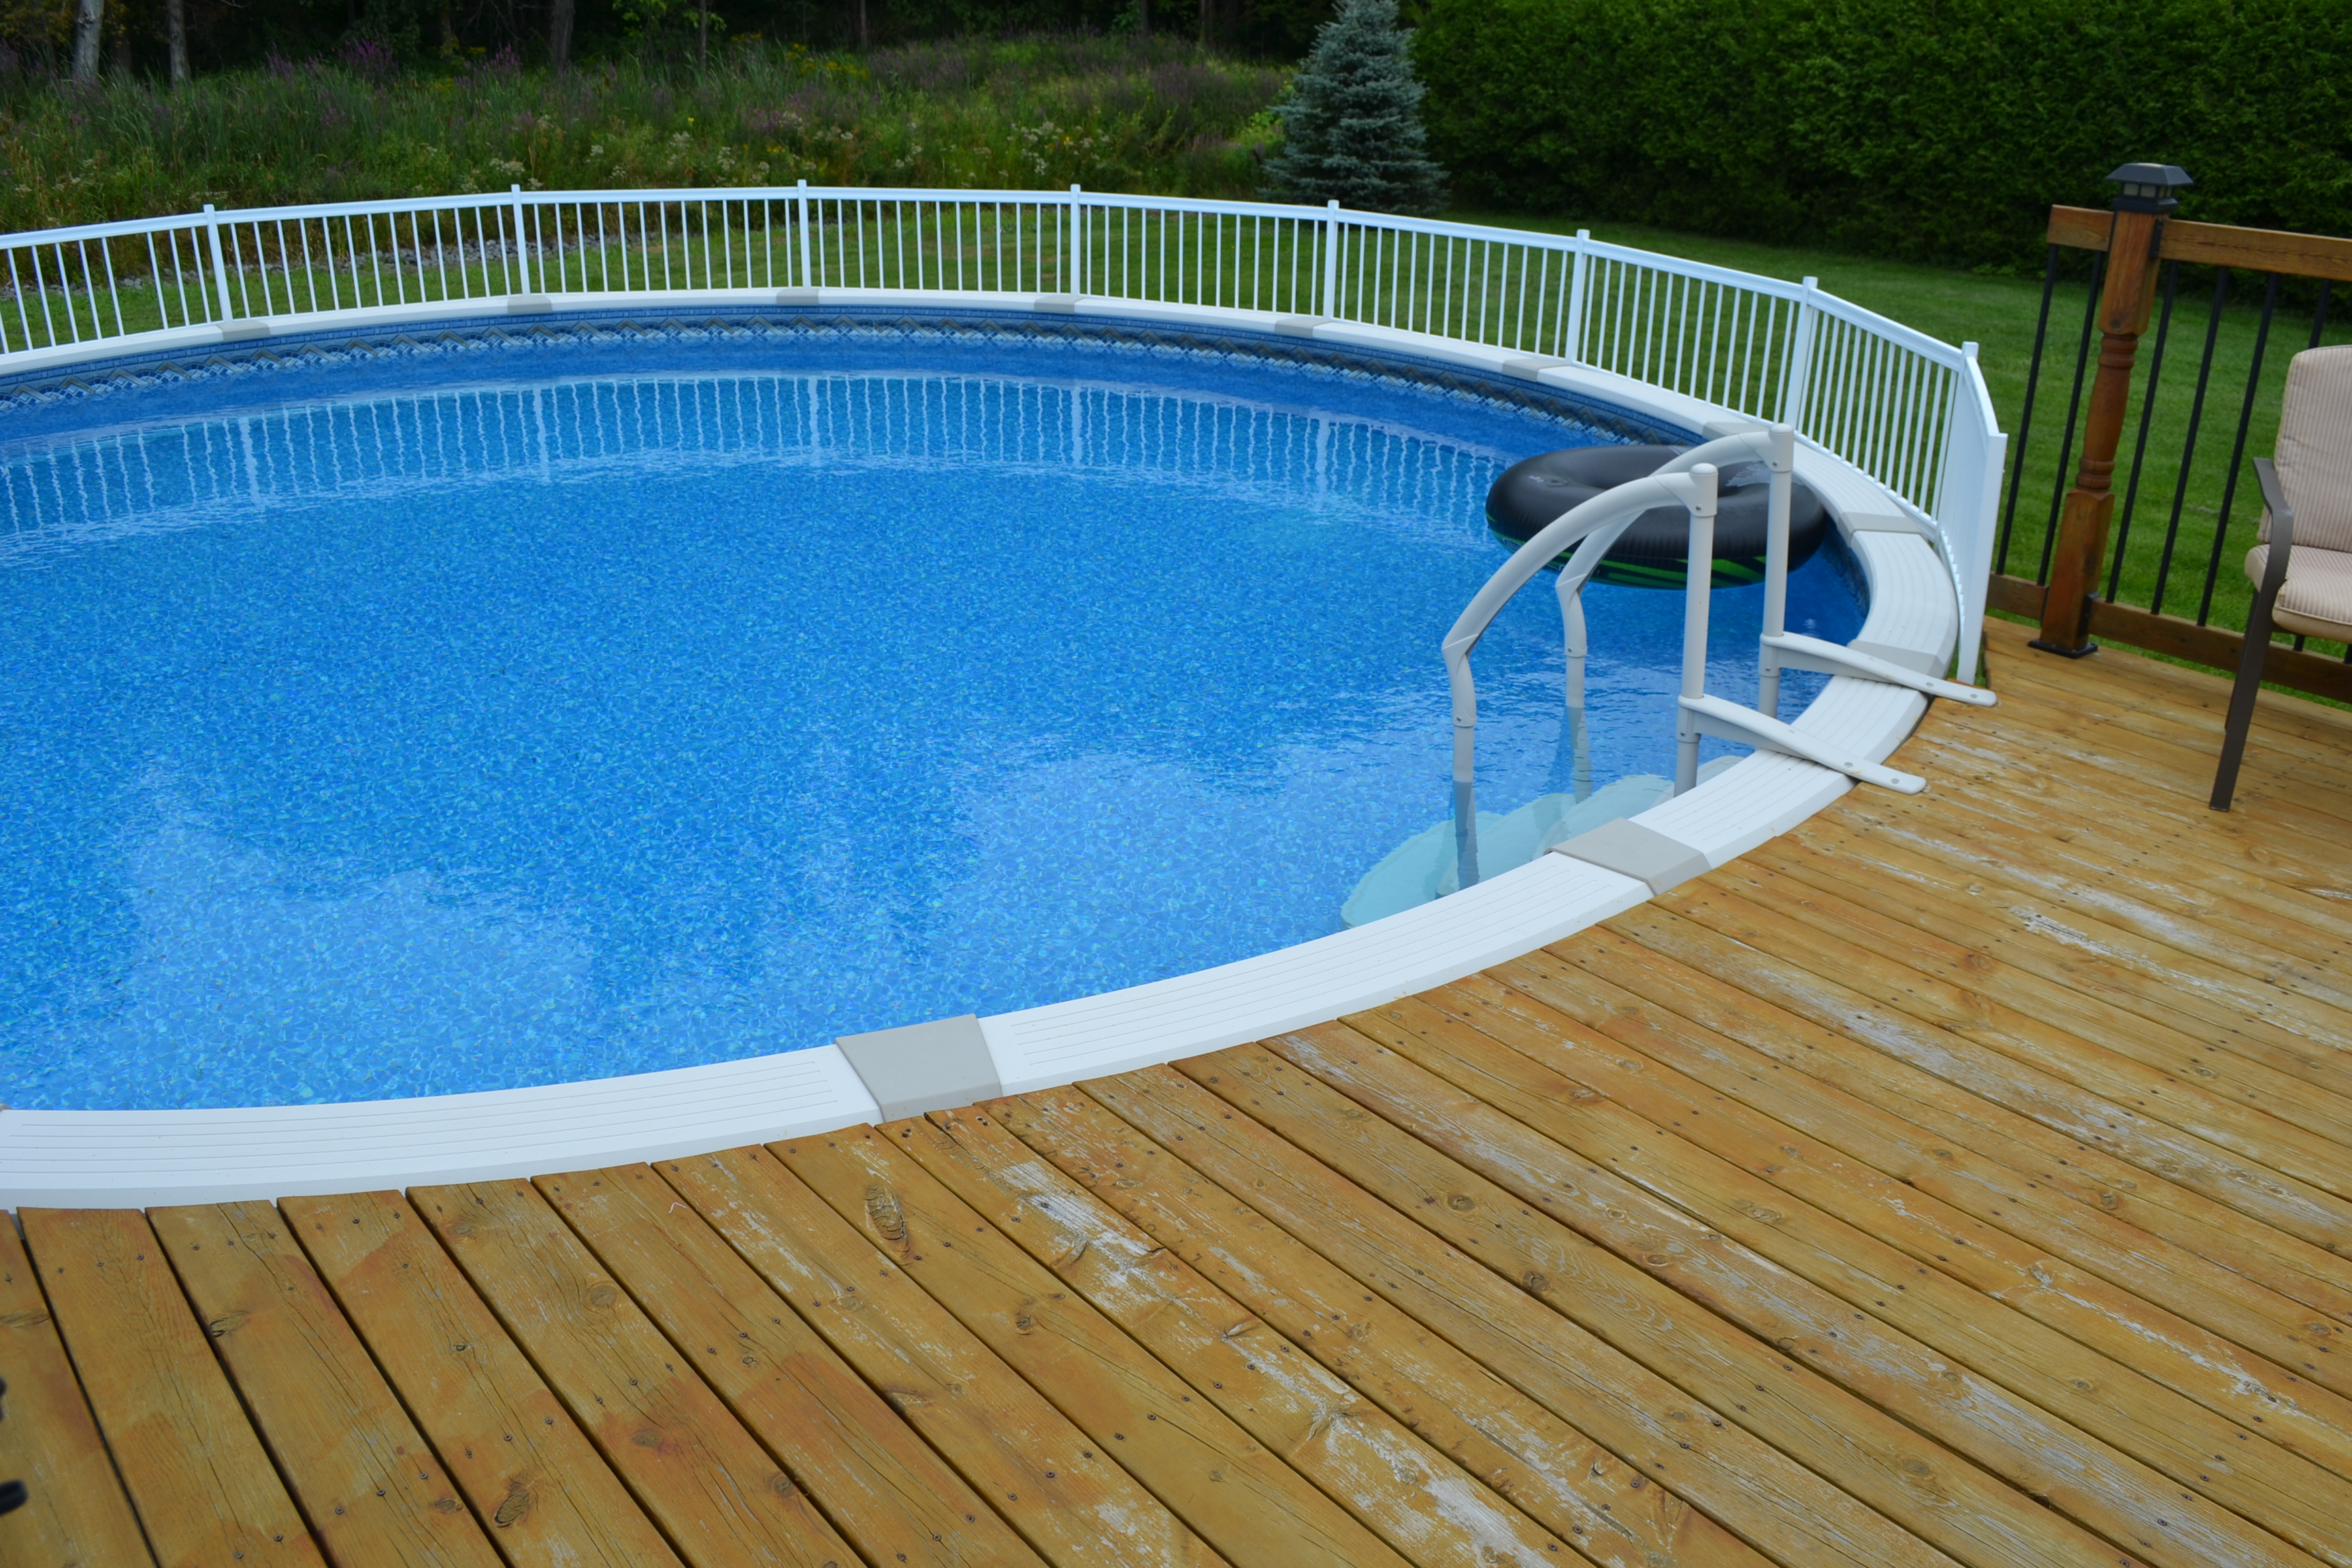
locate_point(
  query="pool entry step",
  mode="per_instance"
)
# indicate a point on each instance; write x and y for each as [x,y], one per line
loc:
[1425,866]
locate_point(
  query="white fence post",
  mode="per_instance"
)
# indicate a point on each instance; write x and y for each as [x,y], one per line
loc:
[522,249]
[1078,245]
[1970,499]
[1794,386]
[803,198]
[220,264]
[1572,331]
[1330,303]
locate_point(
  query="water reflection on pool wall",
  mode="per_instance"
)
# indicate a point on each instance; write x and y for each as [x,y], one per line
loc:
[434,740]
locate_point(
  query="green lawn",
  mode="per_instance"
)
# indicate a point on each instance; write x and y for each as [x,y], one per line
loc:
[1998,314]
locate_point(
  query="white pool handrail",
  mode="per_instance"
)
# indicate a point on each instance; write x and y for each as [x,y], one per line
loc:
[1689,478]
[1592,527]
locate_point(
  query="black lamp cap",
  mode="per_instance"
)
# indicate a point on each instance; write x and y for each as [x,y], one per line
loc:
[2148,187]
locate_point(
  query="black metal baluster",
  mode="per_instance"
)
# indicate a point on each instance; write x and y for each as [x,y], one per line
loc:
[2025,419]
[2238,451]
[2189,445]
[2139,446]
[2073,408]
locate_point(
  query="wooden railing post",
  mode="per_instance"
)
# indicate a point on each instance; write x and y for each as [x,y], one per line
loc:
[2123,305]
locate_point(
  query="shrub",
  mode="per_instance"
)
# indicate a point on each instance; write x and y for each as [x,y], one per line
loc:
[1937,129]
[1352,128]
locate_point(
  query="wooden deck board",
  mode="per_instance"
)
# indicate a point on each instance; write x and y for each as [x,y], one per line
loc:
[1965,1177]
[1560,1476]
[1958,1288]
[550,1499]
[77,1516]
[888,1493]
[1241,1500]
[2264,1018]
[2143,1069]
[2134,1017]
[1537,1331]
[2297,950]
[204,1488]
[1695,1063]
[2065,1141]
[1783,1355]
[1049,1481]
[720,1497]
[375,1494]
[1421,1504]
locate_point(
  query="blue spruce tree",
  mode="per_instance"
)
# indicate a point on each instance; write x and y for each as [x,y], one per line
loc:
[1352,127]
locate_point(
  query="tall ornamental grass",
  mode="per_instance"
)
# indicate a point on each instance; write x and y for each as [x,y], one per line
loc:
[1036,113]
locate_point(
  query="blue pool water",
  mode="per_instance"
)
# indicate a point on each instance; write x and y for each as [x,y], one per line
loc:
[383,735]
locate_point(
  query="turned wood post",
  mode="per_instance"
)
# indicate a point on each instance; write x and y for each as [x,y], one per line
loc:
[2124,306]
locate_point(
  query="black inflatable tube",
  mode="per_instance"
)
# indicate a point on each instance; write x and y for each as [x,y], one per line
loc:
[1532,494]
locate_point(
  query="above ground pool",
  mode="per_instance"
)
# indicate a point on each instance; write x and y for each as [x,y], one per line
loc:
[433,719]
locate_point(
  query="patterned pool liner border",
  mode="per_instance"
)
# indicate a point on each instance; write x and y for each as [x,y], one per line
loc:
[330,349]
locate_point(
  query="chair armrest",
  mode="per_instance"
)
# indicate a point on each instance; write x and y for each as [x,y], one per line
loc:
[2282,539]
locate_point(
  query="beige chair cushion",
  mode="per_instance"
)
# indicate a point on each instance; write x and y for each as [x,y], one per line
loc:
[2316,600]
[2315,453]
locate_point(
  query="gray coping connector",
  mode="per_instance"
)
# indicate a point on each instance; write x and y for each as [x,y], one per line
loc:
[1642,853]
[939,1066]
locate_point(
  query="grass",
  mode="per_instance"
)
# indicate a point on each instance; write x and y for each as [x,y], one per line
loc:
[1998,313]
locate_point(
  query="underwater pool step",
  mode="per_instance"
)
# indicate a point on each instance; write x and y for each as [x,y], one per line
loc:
[1423,866]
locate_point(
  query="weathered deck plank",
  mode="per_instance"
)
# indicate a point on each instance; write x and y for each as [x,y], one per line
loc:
[1241,1499]
[2037,1013]
[2045,1147]
[2054,1340]
[1489,1184]
[2083,1115]
[1423,1505]
[1556,1472]
[1554,1336]
[1049,1479]
[1526,1002]
[2209,1004]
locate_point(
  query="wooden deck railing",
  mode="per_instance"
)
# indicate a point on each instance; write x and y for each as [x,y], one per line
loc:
[2093,566]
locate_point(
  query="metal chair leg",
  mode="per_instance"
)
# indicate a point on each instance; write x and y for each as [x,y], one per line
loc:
[2242,701]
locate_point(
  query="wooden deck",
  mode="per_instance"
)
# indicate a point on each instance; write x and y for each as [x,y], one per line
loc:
[1960,1178]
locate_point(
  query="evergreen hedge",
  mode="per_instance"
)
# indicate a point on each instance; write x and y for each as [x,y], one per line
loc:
[1935,129]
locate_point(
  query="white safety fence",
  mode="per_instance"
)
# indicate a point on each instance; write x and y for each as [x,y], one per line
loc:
[1909,411]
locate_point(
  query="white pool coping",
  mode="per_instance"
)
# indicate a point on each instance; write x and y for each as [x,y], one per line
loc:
[123,1159]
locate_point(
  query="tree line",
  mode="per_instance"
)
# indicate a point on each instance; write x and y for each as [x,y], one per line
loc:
[169,39]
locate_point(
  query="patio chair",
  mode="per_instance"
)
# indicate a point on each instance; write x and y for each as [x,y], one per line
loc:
[2302,570]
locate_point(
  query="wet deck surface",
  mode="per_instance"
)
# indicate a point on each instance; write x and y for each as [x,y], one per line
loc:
[1963,1177]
